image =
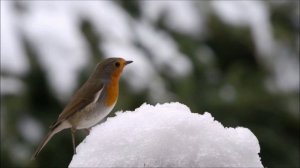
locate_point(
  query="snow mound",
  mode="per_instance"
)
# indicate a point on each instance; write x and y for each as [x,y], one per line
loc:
[166,135]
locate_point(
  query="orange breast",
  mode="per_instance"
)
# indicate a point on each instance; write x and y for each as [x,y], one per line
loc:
[113,87]
[112,92]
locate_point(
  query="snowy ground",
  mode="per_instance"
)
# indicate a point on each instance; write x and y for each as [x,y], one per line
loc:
[167,135]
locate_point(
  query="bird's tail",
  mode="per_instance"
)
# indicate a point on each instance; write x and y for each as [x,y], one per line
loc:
[50,134]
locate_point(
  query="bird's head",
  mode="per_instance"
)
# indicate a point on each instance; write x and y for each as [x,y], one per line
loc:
[111,68]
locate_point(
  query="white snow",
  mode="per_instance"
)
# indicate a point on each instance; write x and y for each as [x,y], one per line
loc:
[11,85]
[248,13]
[110,20]
[53,31]
[30,129]
[166,135]
[181,16]
[271,52]
[64,52]
[164,50]
[13,59]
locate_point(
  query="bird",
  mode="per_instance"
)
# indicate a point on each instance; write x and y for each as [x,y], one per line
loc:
[93,101]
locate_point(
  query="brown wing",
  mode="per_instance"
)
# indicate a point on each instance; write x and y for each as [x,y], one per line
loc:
[84,96]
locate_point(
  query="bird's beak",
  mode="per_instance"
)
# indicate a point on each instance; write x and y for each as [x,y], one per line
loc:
[128,62]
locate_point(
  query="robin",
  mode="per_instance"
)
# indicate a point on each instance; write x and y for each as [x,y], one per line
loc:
[92,102]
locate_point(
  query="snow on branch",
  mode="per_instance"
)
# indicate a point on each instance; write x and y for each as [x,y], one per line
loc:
[166,135]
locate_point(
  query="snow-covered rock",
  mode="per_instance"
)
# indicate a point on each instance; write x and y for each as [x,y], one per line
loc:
[166,135]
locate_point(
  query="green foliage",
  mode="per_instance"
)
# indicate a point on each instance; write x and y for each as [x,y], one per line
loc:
[233,66]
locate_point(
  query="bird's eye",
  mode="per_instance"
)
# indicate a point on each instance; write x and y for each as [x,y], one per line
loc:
[117,64]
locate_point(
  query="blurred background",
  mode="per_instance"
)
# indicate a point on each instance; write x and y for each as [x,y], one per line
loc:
[238,60]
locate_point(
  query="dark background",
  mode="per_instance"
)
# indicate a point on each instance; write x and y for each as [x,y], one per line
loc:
[230,72]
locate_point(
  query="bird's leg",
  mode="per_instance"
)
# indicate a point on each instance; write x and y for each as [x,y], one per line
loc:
[73,130]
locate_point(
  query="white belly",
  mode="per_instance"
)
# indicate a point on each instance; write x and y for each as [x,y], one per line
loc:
[94,117]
